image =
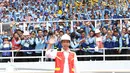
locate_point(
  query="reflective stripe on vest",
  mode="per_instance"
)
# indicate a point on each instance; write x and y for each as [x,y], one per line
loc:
[59,62]
[57,69]
[72,69]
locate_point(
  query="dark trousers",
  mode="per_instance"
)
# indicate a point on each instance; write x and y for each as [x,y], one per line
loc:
[128,53]
[90,58]
[6,60]
[123,52]
[81,52]
[37,59]
[0,56]
[111,52]
[18,54]
[31,59]
[98,58]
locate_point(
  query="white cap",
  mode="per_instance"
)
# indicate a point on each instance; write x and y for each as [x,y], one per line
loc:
[123,26]
[78,27]
[97,31]
[61,27]
[65,37]
[36,26]
[26,33]
[65,10]
[129,28]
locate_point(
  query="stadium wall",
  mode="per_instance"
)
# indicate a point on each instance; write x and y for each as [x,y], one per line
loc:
[84,67]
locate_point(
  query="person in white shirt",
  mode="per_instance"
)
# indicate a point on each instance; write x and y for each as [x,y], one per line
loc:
[65,60]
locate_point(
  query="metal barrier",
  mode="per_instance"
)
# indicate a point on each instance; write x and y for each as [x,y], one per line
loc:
[42,56]
[6,28]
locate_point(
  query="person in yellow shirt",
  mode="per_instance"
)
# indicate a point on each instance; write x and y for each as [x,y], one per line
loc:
[93,1]
[60,12]
[60,3]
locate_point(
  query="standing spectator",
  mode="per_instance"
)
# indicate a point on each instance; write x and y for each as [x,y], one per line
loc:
[52,39]
[6,46]
[128,51]
[32,42]
[40,44]
[32,45]
[82,40]
[125,42]
[117,41]
[108,41]
[59,46]
[99,44]
[82,45]
[74,41]
[92,44]
[16,45]
[104,31]
[25,44]
[88,26]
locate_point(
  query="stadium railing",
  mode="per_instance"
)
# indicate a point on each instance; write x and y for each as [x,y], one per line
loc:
[71,22]
[44,57]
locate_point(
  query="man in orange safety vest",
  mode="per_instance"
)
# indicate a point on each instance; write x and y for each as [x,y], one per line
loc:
[65,60]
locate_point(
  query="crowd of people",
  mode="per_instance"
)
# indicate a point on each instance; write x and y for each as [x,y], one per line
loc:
[87,37]
[53,10]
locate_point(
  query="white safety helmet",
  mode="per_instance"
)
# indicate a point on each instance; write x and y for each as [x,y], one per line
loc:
[97,31]
[129,29]
[26,33]
[65,37]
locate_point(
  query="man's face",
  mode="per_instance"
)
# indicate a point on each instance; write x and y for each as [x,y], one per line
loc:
[40,33]
[129,32]
[83,35]
[116,33]
[124,30]
[109,32]
[16,35]
[91,33]
[104,30]
[5,40]
[98,34]
[65,44]
[61,33]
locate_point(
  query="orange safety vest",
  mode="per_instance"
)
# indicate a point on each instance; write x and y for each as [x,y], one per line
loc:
[59,62]
[14,45]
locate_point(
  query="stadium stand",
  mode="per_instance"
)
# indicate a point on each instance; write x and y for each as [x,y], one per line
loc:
[96,24]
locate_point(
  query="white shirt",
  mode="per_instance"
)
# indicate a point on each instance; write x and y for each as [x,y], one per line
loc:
[66,66]
[52,54]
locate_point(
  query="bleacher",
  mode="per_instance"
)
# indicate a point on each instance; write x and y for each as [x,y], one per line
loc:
[26,23]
